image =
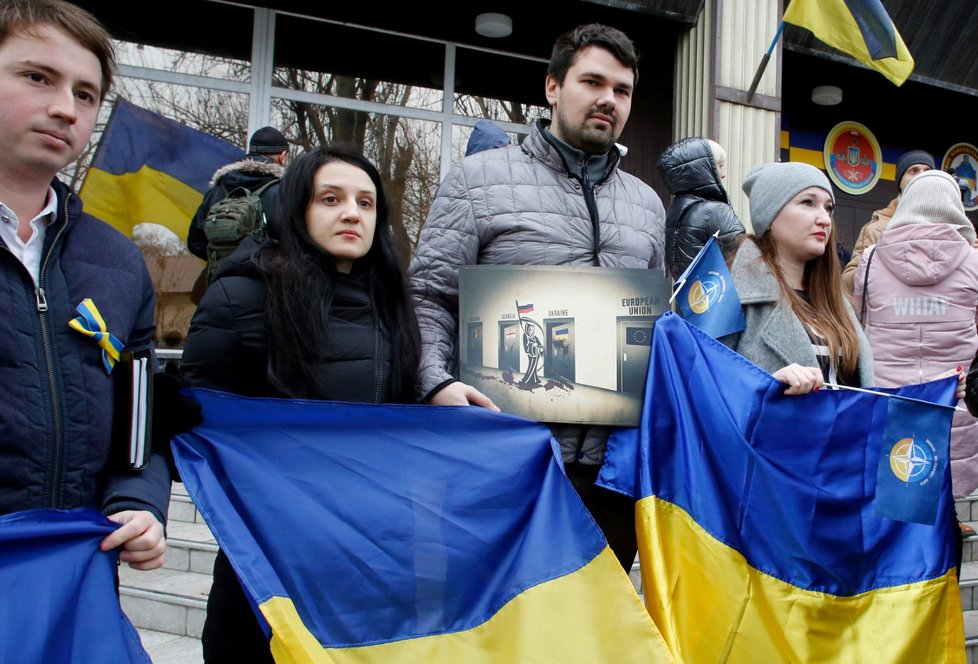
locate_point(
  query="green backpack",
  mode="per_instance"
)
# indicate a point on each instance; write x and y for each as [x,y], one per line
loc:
[230,220]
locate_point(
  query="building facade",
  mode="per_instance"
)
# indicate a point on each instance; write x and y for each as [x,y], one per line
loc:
[407,82]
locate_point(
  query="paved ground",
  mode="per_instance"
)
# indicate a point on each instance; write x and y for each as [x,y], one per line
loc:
[166,648]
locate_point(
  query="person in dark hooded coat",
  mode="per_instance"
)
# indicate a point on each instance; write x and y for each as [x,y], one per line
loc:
[693,170]
[268,152]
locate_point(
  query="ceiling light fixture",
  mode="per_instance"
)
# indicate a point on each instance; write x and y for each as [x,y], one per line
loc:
[494,25]
[826,95]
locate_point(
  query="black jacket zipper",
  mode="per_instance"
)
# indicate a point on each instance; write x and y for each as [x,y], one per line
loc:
[592,209]
[378,364]
[54,489]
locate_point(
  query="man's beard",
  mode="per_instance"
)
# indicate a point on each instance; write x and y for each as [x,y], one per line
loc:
[587,139]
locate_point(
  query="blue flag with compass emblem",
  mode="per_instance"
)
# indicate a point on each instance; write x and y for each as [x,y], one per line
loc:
[705,293]
[913,460]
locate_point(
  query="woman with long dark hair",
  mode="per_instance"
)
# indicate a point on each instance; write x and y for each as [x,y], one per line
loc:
[800,326]
[318,310]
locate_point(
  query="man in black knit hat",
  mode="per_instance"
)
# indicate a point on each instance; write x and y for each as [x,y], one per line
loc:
[267,154]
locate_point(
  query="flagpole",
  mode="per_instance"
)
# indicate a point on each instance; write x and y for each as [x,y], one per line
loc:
[675,290]
[891,396]
[678,285]
[764,60]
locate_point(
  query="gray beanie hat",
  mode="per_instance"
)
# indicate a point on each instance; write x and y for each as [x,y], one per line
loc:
[933,197]
[908,159]
[770,186]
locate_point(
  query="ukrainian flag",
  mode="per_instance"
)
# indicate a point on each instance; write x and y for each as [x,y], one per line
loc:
[58,602]
[861,28]
[758,533]
[148,168]
[430,534]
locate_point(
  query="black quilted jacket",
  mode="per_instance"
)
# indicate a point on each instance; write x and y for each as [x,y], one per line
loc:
[227,347]
[700,206]
[56,423]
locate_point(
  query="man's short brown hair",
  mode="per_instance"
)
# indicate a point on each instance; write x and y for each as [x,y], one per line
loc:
[24,17]
[570,44]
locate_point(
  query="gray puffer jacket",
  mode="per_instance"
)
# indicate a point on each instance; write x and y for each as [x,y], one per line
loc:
[522,206]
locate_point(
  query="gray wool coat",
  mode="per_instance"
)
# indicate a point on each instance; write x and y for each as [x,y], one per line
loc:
[774,336]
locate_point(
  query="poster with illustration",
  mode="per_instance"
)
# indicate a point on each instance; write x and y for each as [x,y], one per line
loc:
[560,344]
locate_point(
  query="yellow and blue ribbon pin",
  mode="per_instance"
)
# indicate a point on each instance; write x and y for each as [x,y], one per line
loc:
[91,324]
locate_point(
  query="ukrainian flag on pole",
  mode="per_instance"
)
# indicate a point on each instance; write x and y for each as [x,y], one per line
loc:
[148,168]
[415,534]
[860,28]
[759,534]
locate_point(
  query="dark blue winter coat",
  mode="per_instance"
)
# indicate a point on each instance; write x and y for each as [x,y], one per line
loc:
[58,403]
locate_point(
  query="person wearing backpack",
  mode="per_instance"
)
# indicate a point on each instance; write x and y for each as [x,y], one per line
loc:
[263,165]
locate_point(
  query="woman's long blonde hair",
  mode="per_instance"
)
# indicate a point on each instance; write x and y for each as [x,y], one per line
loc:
[825,309]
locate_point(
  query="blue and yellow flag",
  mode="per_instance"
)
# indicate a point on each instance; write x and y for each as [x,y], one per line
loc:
[148,168]
[58,602]
[861,28]
[705,293]
[758,534]
[409,534]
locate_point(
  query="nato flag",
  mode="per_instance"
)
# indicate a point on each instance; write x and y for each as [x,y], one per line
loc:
[705,293]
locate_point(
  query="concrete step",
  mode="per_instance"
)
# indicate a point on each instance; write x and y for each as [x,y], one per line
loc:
[968,585]
[971,635]
[165,600]
[168,605]
[190,547]
[165,648]
[969,548]
[182,508]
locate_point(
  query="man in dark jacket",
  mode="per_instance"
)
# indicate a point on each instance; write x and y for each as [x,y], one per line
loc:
[267,153]
[557,199]
[58,395]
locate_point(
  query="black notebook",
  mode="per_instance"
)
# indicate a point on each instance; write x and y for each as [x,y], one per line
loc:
[135,394]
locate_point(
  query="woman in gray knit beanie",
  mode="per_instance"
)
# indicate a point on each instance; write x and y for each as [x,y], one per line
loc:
[800,327]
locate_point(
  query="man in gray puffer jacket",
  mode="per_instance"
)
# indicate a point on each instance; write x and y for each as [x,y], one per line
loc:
[558,199]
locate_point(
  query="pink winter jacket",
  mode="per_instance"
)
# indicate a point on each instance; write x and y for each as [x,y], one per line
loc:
[920,319]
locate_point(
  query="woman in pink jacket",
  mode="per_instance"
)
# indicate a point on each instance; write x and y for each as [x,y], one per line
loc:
[916,291]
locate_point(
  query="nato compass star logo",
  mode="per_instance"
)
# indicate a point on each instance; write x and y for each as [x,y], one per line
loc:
[911,461]
[705,292]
